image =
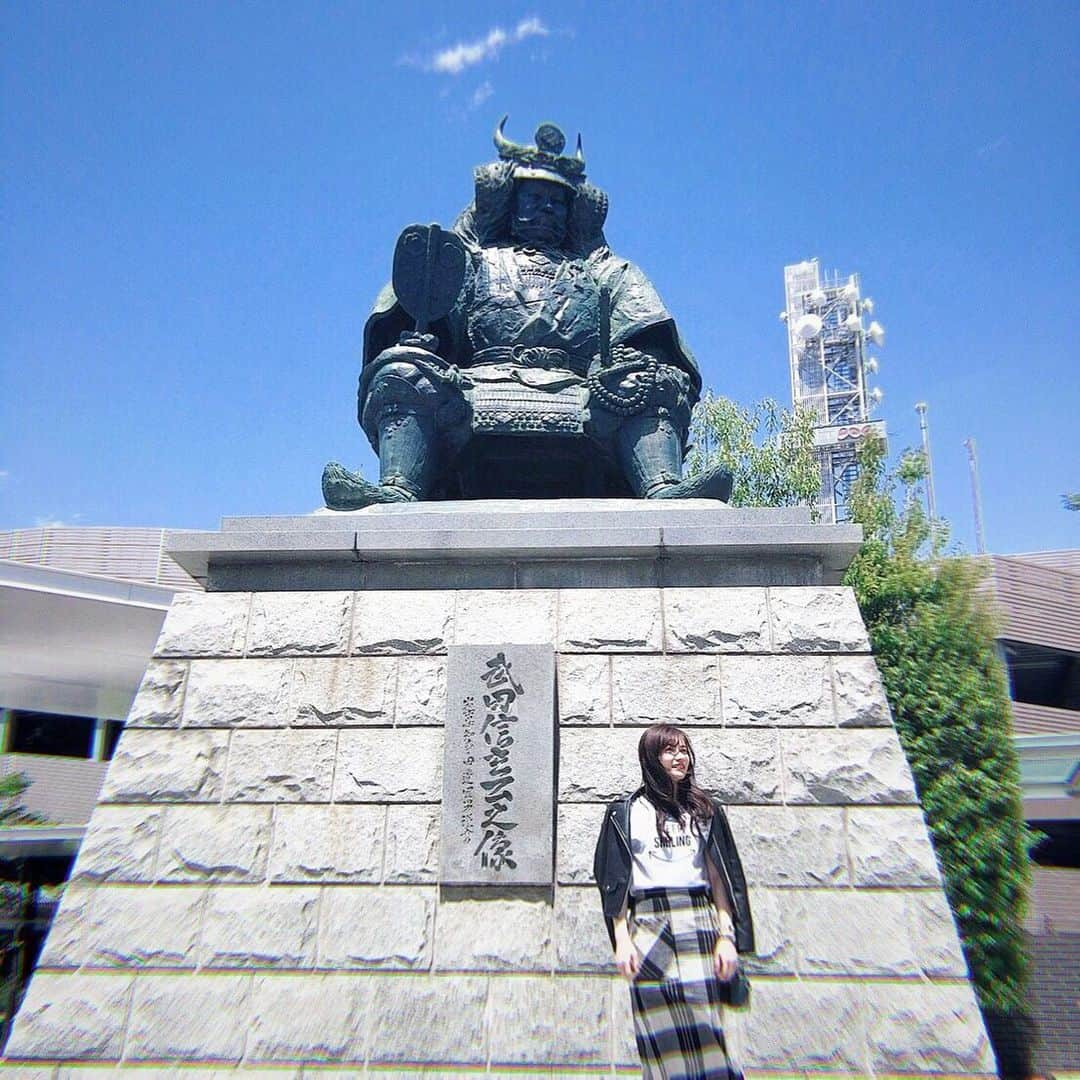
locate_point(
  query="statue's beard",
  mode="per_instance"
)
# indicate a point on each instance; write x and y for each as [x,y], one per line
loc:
[539,230]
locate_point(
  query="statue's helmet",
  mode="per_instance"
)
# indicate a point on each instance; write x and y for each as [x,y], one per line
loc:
[487,218]
[544,160]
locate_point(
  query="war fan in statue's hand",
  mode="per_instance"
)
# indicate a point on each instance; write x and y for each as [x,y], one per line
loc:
[429,271]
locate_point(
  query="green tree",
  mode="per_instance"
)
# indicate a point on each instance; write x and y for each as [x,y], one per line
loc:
[933,635]
[934,638]
[768,450]
[12,812]
[1071,501]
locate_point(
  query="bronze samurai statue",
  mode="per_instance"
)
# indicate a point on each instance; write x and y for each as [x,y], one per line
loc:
[517,356]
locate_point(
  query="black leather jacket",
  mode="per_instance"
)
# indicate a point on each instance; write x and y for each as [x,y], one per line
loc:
[612,863]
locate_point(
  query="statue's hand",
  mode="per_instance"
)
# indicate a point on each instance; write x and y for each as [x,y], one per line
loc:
[409,354]
[416,340]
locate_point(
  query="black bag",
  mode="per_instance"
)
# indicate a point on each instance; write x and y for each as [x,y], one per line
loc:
[736,991]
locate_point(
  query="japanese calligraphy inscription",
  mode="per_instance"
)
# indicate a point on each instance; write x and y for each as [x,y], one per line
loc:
[499,766]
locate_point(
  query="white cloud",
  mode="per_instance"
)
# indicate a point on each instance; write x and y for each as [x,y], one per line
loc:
[481,94]
[47,521]
[466,54]
[530,27]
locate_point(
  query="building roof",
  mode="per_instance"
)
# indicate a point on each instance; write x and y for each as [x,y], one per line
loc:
[1063,559]
[1039,602]
[120,553]
[75,643]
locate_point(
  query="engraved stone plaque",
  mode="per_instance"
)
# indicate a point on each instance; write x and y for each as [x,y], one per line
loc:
[499,767]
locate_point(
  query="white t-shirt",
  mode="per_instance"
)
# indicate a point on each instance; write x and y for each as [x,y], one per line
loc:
[675,863]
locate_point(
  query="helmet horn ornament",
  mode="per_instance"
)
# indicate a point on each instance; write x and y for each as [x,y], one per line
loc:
[502,143]
[545,156]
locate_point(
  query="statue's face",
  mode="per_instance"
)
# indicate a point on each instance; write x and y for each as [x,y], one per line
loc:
[541,211]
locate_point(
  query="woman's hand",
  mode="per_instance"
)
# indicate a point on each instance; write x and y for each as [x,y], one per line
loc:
[725,959]
[627,957]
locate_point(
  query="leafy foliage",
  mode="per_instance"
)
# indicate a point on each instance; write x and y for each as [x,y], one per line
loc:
[933,634]
[769,450]
[1071,501]
[12,811]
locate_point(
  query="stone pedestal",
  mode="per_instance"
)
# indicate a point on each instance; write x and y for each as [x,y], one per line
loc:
[258,886]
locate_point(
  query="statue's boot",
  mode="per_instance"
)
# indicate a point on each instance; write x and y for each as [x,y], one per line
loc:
[406,466]
[344,489]
[714,483]
[650,452]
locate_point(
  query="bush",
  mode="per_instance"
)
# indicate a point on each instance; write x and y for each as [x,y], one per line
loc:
[934,637]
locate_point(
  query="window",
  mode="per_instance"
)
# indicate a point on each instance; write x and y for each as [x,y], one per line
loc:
[48,733]
[1043,676]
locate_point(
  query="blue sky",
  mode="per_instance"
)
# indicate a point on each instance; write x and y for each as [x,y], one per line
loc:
[200,201]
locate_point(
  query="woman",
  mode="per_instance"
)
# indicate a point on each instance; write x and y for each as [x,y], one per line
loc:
[674,899]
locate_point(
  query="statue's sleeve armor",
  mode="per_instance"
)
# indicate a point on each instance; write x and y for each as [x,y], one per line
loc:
[639,317]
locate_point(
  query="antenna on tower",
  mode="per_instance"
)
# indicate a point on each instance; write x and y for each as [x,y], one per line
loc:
[924,427]
[976,496]
[829,374]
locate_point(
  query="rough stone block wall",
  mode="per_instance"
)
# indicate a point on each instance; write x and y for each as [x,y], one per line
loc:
[258,885]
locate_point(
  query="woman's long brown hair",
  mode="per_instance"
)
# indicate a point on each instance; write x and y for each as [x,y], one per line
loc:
[669,798]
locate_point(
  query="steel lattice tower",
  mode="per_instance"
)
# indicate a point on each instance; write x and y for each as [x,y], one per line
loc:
[827,353]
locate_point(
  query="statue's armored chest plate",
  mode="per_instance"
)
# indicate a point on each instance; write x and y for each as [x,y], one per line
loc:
[532,298]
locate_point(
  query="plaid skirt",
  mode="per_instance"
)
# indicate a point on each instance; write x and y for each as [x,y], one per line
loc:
[676,995]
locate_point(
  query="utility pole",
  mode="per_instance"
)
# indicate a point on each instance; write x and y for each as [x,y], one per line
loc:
[924,427]
[976,496]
